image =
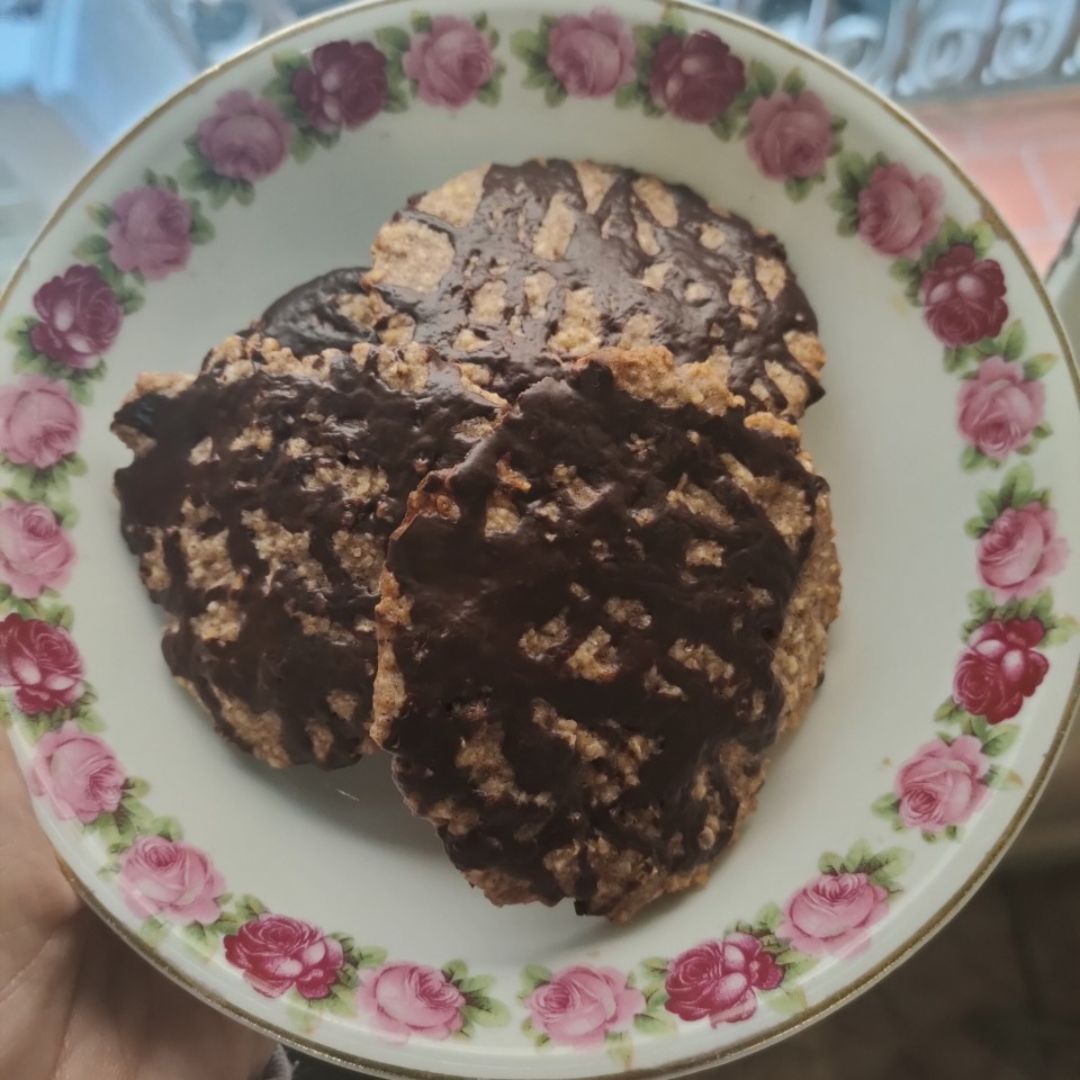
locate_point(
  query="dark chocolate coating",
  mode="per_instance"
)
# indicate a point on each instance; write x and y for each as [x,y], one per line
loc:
[604,255]
[351,418]
[307,318]
[473,596]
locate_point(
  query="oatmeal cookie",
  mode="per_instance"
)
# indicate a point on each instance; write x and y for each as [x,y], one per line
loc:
[594,628]
[259,502]
[330,311]
[516,270]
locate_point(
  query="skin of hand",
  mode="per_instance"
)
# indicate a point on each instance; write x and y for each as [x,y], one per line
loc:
[75,1002]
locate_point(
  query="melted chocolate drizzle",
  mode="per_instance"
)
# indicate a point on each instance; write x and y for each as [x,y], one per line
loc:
[603,254]
[473,596]
[350,418]
[308,319]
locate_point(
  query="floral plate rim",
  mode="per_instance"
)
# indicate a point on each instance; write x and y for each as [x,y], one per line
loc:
[945,910]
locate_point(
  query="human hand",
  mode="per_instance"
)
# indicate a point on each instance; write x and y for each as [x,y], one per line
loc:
[75,1002]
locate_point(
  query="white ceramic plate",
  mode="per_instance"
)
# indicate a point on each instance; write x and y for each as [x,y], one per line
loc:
[311,905]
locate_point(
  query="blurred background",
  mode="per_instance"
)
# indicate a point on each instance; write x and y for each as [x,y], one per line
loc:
[998,82]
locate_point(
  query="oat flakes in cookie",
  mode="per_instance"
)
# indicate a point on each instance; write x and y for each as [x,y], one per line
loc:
[594,628]
[518,269]
[259,502]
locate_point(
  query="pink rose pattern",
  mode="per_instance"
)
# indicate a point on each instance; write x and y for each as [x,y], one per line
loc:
[77,772]
[450,63]
[943,784]
[899,214]
[999,410]
[277,953]
[581,1005]
[35,552]
[790,136]
[591,55]
[1021,551]
[719,980]
[150,232]
[246,138]
[170,879]
[39,422]
[833,914]
[402,999]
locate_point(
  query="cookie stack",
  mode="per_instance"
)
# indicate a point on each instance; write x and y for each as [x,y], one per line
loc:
[523,505]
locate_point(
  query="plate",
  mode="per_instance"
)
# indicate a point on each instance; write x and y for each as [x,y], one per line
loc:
[310,905]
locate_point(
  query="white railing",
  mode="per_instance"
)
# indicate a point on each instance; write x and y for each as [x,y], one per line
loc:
[912,48]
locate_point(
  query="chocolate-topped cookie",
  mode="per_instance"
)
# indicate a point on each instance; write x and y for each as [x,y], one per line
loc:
[331,311]
[259,502]
[593,629]
[518,269]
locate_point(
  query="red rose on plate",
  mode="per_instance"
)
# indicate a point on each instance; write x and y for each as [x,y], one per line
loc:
[41,661]
[404,999]
[696,78]
[897,213]
[1000,668]
[790,137]
[833,914]
[80,317]
[964,297]
[344,87]
[77,772]
[718,979]
[39,423]
[1021,550]
[591,55]
[942,784]
[150,232]
[450,63]
[999,409]
[277,953]
[246,138]
[35,553]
